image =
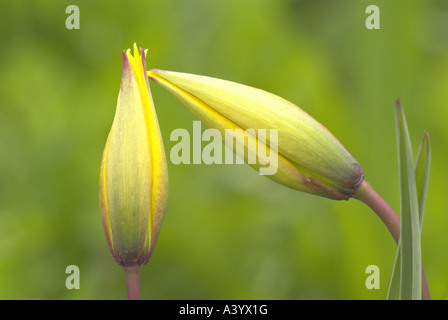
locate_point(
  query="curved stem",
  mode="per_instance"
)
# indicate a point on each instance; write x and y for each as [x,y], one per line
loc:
[368,195]
[133,282]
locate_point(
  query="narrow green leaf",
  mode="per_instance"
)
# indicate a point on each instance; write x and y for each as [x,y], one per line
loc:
[411,270]
[394,286]
[421,176]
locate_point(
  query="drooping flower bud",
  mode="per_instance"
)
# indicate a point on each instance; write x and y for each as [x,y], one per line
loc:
[133,177]
[310,158]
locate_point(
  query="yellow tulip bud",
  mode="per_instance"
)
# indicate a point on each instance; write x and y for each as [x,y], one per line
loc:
[310,158]
[133,178]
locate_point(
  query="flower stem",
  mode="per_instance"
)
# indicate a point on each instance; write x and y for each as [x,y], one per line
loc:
[133,282]
[368,195]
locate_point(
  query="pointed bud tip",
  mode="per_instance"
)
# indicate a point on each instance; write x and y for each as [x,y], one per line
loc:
[426,135]
[154,71]
[135,47]
[398,102]
[157,70]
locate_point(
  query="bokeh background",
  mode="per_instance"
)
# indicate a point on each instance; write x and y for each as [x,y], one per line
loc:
[228,233]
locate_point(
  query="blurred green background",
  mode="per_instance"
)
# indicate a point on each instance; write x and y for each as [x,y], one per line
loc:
[228,233]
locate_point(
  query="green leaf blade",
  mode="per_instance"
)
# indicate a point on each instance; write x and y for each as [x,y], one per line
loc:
[422,165]
[421,177]
[393,292]
[410,248]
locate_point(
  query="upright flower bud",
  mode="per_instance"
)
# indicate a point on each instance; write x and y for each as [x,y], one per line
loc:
[310,158]
[133,178]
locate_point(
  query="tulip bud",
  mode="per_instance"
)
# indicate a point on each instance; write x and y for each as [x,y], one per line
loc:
[310,158]
[133,178]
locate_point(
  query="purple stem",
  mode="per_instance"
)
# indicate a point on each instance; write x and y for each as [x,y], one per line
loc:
[133,282]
